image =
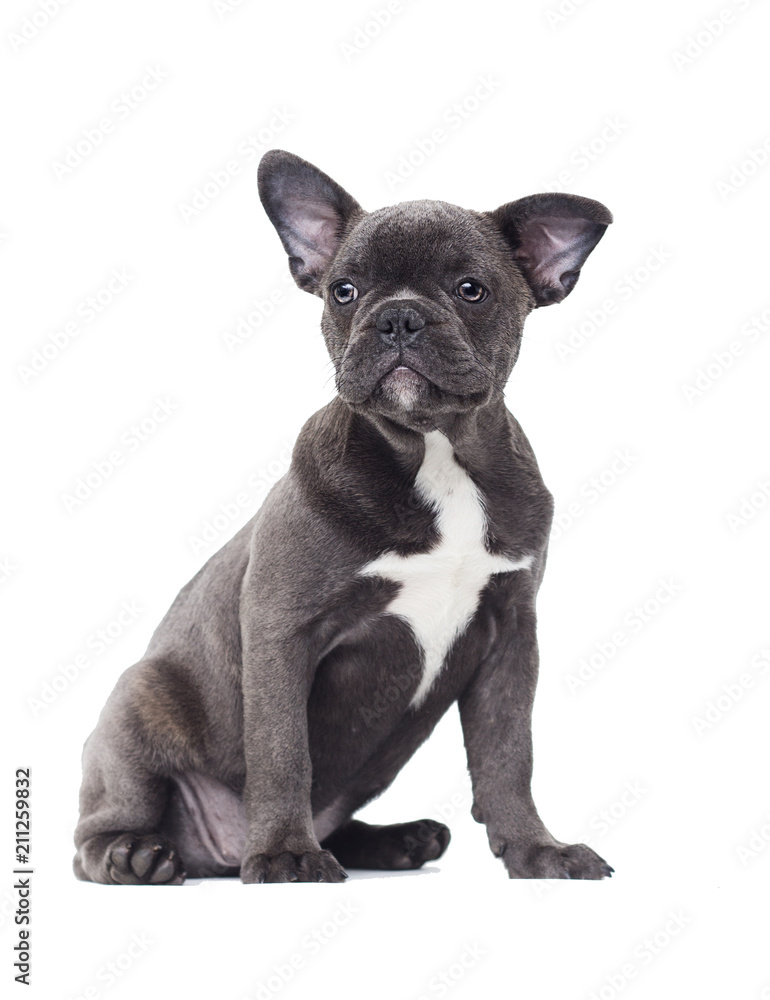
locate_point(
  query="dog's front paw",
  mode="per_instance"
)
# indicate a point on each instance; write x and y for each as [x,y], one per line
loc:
[313,865]
[144,860]
[555,861]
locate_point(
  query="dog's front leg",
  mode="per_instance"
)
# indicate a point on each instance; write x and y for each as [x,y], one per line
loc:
[496,711]
[281,845]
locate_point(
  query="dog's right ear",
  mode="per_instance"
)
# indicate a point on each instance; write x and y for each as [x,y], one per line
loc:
[309,210]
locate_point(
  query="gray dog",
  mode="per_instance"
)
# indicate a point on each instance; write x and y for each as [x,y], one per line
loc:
[390,573]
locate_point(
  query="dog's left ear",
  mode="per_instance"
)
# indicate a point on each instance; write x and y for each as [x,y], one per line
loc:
[551,236]
[310,211]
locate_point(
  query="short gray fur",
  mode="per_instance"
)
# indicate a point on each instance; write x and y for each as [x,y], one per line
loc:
[275,698]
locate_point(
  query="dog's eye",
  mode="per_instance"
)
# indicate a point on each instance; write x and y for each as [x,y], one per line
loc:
[471,291]
[344,292]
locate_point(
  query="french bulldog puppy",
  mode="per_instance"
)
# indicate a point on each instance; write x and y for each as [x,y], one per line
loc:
[391,573]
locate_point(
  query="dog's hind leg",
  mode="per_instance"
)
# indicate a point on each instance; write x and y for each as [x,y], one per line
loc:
[399,846]
[145,733]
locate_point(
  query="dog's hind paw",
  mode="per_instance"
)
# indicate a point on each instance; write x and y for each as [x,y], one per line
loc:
[397,847]
[144,859]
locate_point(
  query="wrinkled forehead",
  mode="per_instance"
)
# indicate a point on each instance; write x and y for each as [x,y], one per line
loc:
[429,236]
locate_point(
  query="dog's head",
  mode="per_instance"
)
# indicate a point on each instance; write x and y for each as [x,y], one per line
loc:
[424,302]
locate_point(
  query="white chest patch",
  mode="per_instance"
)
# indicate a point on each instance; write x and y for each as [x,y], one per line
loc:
[440,589]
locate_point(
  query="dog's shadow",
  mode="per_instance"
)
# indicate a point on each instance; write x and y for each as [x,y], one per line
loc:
[354,875]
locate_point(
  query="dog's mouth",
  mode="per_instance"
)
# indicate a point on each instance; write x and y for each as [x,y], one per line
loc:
[403,387]
[406,383]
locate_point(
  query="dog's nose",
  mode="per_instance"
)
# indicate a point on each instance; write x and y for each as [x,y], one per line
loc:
[399,325]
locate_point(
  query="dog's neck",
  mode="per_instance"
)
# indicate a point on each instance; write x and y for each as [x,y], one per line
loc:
[472,432]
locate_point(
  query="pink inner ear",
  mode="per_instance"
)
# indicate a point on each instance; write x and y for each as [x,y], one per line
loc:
[551,236]
[315,223]
[551,244]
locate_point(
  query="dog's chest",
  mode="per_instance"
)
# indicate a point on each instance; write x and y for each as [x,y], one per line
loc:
[440,589]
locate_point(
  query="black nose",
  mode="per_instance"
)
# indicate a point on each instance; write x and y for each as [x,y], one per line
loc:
[400,325]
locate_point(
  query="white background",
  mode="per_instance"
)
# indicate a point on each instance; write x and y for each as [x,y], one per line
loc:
[652,109]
